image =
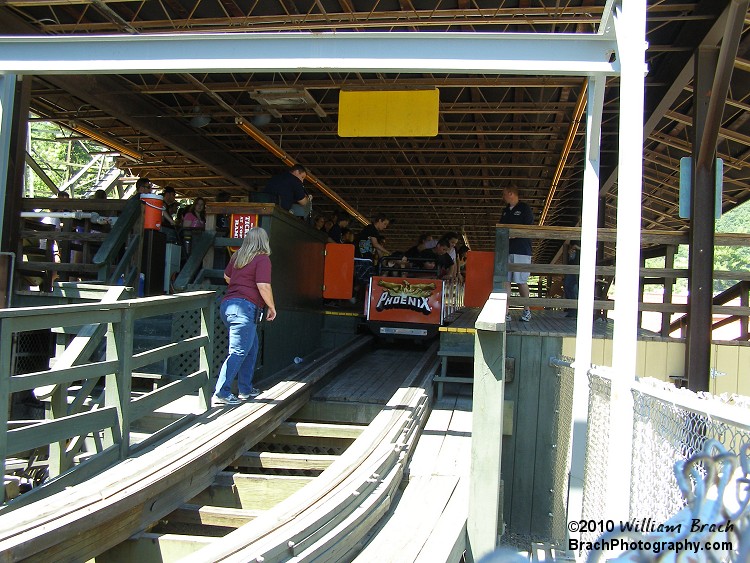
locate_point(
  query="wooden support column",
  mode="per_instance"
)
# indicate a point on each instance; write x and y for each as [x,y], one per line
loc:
[485,486]
[207,354]
[15,96]
[666,318]
[591,213]
[630,23]
[701,235]
[710,94]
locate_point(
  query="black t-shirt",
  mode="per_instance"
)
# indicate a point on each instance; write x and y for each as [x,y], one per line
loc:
[363,245]
[574,252]
[521,214]
[442,261]
[413,252]
[287,188]
[335,233]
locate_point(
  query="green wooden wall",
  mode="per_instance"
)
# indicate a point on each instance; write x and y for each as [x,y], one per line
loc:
[297,258]
[529,453]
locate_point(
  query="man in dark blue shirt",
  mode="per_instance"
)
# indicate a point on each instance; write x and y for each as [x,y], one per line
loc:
[288,189]
[519,249]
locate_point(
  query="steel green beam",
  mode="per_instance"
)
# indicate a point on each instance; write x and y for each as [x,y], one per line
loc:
[440,52]
[7,95]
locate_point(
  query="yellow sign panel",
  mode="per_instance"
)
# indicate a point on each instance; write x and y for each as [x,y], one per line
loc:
[396,113]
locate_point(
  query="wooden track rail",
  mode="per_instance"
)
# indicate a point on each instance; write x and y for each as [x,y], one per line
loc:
[327,520]
[83,521]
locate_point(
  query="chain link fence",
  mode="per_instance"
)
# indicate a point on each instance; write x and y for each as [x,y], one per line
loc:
[597,446]
[671,427]
[561,465]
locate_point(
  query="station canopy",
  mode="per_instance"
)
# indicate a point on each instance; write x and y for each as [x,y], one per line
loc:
[206,132]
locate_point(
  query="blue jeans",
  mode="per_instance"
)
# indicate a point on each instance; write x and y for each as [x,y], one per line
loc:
[239,317]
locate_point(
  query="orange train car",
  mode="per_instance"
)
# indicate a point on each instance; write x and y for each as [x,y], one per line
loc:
[406,307]
[414,303]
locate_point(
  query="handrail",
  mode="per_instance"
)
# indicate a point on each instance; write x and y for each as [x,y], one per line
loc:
[200,246]
[671,273]
[117,369]
[131,213]
[109,244]
[610,235]
[55,204]
[741,289]
[648,275]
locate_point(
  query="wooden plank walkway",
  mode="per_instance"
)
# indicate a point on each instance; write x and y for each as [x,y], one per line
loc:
[372,379]
[428,522]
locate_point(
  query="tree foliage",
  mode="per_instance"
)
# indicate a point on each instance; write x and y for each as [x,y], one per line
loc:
[61,156]
[733,258]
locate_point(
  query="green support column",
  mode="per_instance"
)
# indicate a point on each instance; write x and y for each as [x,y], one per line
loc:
[118,385]
[500,274]
[7,95]
[485,487]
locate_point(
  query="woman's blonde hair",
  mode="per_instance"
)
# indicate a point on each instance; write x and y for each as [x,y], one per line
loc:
[254,243]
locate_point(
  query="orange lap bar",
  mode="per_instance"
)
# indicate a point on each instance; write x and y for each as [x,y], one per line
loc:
[480,267]
[338,274]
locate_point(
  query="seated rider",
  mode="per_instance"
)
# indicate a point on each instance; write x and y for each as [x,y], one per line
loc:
[439,256]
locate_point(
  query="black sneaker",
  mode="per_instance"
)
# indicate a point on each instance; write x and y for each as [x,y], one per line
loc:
[228,400]
[253,393]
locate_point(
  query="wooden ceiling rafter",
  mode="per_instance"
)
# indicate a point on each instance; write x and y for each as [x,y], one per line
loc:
[493,130]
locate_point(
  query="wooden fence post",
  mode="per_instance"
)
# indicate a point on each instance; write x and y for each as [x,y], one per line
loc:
[666,318]
[500,274]
[118,385]
[207,352]
[6,367]
[485,486]
[57,408]
[744,301]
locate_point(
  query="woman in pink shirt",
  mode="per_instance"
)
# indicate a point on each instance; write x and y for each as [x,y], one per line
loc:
[195,216]
[249,277]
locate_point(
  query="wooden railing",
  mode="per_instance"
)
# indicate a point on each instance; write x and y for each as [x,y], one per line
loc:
[99,255]
[665,276]
[111,413]
[741,291]
[120,254]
